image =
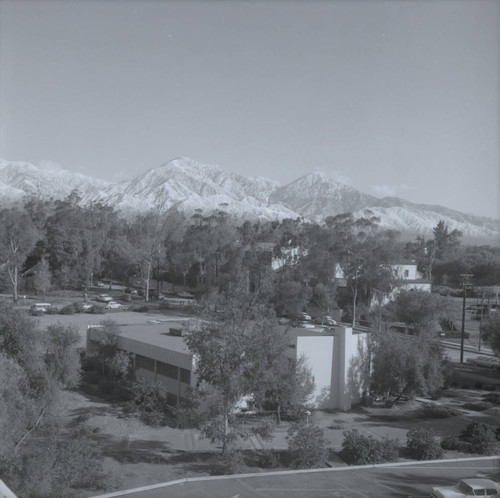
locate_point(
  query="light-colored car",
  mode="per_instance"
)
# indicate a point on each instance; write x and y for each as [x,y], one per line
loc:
[99,284]
[87,307]
[467,487]
[484,361]
[104,298]
[326,320]
[113,305]
[185,294]
[305,317]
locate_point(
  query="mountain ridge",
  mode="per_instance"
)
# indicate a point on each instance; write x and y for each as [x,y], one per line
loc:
[190,186]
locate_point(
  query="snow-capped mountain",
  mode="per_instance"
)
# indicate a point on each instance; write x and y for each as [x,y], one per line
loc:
[26,179]
[316,196]
[190,186]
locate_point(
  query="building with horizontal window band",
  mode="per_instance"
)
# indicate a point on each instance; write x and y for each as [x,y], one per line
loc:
[337,356]
[161,355]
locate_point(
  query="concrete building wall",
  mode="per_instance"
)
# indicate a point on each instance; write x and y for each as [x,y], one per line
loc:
[339,363]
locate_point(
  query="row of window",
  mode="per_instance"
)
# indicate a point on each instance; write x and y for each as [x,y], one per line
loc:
[165,369]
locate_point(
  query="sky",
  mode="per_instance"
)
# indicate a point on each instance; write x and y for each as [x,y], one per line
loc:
[400,97]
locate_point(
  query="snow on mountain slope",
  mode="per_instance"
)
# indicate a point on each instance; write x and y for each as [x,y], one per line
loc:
[316,196]
[45,183]
[190,186]
[420,219]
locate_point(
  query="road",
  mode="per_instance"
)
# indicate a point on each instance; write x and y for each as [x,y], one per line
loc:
[407,480]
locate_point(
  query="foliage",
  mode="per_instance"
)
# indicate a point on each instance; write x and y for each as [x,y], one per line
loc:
[422,445]
[406,365]
[358,449]
[61,357]
[226,344]
[36,457]
[151,401]
[225,463]
[490,331]
[307,446]
[418,309]
[120,365]
[431,410]
[481,439]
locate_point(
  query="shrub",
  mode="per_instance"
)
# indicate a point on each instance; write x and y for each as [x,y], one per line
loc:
[151,402]
[481,438]
[106,386]
[358,449]
[225,463]
[477,407]
[92,377]
[421,444]
[69,309]
[454,444]
[431,410]
[97,310]
[139,308]
[268,459]
[307,447]
[492,398]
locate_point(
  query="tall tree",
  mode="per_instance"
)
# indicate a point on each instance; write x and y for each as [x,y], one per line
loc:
[233,322]
[17,238]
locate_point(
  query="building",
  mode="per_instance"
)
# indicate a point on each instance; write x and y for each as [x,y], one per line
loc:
[337,358]
[161,354]
[339,361]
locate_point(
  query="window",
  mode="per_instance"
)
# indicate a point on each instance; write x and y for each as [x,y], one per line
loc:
[407,273]
[144,363]
[168,370]
[185,376]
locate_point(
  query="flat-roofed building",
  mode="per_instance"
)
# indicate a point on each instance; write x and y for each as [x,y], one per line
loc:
[161,354]
[337,357]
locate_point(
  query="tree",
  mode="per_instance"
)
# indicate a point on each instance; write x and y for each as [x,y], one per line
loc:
[406,365]
[418,309]
[490,331]
[42,280]
[17,238]
[120,365]
[61,356]
[480,438]
[37,457]
[225,345]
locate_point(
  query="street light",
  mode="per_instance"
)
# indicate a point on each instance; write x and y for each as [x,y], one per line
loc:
[465,284]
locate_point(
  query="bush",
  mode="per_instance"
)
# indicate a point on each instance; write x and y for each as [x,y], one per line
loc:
[431,410]
[307,447]
[139,308]
[268,459]
[69,309]
[454,444]
[225,464]
[492,398]
[421,444]
[481,438]
[477,407]
[151,402]
[358,449]
[106,386]
[97,310]
[92,377]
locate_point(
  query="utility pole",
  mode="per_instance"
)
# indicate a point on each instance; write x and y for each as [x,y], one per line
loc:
[465,284]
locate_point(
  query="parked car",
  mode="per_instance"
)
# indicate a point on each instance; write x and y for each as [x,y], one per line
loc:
[113,305]
[104,298]
[325,320]
[305,317]
[40,307]
[87,307]
[185,294]
[467,487]
[485,361]
[99,284]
